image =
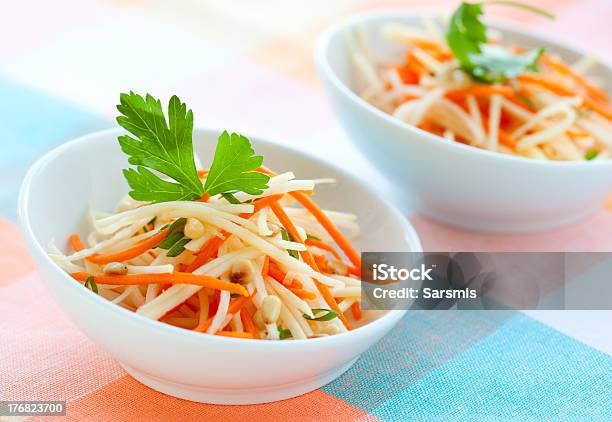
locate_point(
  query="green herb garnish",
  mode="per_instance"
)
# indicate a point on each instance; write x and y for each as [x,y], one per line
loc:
[229,197]
[591,154]
[286,236]
[284,333]
[175,240]
[467,39]
[329,315]
[91,284]
[311,237]
[233,167]
[166,147]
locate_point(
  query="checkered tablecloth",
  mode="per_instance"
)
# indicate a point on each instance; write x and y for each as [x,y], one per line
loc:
[248,66]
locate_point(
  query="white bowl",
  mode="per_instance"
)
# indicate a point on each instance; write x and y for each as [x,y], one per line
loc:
[53,202]
[448,181]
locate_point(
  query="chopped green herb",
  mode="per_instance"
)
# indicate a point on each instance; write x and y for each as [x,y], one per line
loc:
[91,284]
[311,237]
[234,295]
[329,315]
[233,167]
[229,197]
[175,233]
[286,236]
[284,333]
[178,248]
[591,154]
[467,39]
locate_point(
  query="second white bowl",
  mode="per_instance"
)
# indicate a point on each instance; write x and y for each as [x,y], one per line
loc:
[451,182]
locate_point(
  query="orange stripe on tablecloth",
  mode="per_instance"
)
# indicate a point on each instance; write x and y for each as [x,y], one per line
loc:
[15,259]
[127,399]
[43,356]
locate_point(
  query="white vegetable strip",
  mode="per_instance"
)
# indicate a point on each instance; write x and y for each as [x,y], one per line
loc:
[270,250]
[219,318]
[150,269]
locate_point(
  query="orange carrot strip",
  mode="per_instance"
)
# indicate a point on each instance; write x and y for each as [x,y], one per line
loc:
[131,252]
[207,252]
[247,321]
[266,266]
[202,173]
[356,310]
[174,278]
[593,90]
[479,91]
[303,294]
[76,243]
[307,257]
[276,273]
[235,334]
[323,245]
[600,108]
[261,203]
[331,228]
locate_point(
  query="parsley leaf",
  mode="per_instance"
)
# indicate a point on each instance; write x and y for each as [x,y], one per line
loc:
[166,147]
[159,145]
[467,39]
[233,167]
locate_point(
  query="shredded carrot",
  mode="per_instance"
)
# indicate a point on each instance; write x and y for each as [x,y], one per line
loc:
[331,228]
[275,273]
[235,334]
[295,284]
[202,173]
[323,245]
[307,257]
[207,252]
[261,203]
[174,278]
[415,65]
[321,262]
[265,269]
[126,254]
[356,311]
[204,198]
[75,242]
[303,294]
[592,90]
[247,321]
[480,91]
[558,89]
[407,75]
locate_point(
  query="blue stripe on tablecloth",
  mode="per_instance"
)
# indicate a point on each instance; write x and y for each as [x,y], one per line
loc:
[30,124]
[524,370]
[421,342]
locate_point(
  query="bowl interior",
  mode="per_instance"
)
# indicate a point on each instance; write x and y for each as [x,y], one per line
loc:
[88,171]
[334,48]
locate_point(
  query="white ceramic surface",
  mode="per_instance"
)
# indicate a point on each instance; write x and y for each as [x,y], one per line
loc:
[53,201]
[450,182]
